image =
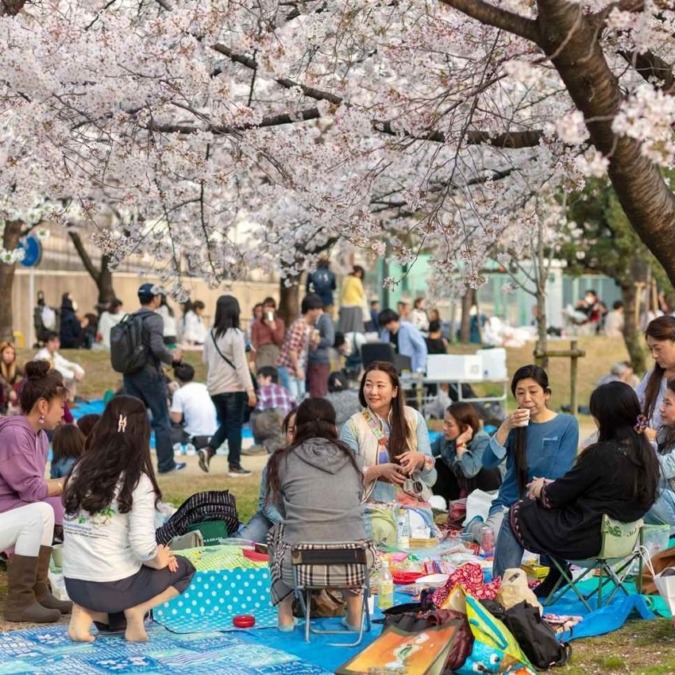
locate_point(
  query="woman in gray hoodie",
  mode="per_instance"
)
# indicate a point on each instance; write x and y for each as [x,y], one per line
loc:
[317,486]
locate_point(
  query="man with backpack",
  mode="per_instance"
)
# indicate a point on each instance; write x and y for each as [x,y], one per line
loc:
[137,351]
[322,282]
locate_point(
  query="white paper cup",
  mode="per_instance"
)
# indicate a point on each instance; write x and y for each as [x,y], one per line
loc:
[526,421]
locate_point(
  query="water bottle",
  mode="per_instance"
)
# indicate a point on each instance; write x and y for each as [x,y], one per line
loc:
[385,595]
[487,541]
[403,528]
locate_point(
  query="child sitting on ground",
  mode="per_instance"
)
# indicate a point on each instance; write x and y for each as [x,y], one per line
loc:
[274,403]
[67,448]
[111,562]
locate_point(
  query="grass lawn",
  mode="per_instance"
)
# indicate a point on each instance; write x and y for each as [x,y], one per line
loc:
[640,647]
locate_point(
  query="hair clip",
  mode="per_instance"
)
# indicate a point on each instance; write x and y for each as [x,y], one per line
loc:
[641,424]
[122,423]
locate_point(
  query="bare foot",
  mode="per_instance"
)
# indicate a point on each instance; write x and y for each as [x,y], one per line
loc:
[80,623]
[135,631]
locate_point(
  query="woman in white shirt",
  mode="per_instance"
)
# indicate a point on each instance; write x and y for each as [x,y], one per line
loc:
[194,331]
[111,562]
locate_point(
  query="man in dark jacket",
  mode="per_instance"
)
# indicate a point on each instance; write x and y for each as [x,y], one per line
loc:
[149,384]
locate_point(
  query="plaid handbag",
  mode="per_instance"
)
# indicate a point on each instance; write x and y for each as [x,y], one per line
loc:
[340,565]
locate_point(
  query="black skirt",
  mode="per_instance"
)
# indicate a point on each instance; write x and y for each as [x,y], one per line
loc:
[110,597]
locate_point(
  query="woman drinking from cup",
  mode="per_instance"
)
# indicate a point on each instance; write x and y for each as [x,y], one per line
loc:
[617,476]
[534,441]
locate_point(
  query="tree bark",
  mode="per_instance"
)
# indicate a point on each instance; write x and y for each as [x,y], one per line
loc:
[542,334]
[289,299]
[468,301]
[10,240]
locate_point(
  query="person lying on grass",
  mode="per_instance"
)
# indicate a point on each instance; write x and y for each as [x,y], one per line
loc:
[114,570]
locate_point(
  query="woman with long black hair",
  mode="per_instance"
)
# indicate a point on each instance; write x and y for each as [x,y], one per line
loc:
[616,476]
[114,570]
[229,383]
[316,484]
[534,441]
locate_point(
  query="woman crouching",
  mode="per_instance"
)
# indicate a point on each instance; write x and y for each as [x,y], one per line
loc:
[317,486]
[114,571]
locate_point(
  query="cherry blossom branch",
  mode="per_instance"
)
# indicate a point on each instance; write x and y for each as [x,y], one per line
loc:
[499,18]
[310,92]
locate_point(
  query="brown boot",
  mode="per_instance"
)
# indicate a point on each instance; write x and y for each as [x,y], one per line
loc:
[43,593]
[21,604]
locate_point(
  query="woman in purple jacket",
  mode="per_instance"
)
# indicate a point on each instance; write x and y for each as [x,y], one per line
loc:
[23,459]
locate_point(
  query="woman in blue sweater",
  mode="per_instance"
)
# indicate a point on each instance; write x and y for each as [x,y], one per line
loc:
[535,442]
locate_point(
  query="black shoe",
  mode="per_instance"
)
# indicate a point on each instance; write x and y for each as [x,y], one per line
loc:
[178,466]
[204,455]
[237,472]
[547,585]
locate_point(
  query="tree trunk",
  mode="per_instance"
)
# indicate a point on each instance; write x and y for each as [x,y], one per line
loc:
[289,299]
[468,301]
[632,335]
[542,334]
[102,276]
[106,291]
[10,240]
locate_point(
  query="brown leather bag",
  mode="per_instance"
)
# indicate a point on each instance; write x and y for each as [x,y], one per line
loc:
[660,562]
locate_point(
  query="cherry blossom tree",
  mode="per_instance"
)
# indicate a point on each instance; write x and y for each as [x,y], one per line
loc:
[311,121]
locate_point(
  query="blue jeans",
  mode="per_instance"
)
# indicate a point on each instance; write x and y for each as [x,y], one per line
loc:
[230,408]
[663,510]
[508,552]
[256,529]
[150,387]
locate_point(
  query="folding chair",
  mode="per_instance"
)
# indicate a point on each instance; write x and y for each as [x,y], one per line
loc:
[324,566]
[618,549]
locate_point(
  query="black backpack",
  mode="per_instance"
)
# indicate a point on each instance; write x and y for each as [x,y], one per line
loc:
[128,352]
[535,637]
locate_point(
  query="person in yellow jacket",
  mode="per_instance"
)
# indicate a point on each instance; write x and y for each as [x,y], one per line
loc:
[353,302]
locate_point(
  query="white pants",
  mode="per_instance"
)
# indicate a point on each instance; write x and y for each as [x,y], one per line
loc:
[27,528]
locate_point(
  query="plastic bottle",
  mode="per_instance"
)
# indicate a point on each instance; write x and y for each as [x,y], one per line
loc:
[487,541]
[403,528]
[385,596]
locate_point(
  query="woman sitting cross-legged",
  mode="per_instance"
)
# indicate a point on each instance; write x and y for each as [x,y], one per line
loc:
[317,486]
[617,476]
[111,563]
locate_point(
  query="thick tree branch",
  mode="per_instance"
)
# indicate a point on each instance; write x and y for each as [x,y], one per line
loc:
[11,7]
[508,140]
[499,18]
[651,67]
[93,271]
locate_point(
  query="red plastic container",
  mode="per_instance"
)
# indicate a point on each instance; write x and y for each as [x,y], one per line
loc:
[243,621]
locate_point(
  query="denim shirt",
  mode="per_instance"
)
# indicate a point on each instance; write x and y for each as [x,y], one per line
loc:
[551,451]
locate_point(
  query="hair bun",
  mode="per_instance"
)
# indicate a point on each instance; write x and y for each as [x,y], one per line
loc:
[36,370]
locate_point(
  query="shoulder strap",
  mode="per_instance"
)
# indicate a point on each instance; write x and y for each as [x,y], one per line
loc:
[222,356]
[376,428]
